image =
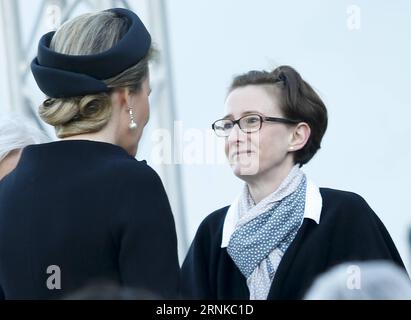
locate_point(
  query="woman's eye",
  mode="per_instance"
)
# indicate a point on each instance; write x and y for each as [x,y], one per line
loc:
[252,120]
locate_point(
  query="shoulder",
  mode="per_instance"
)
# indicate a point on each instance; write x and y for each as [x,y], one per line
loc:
[346,205]
[340,196]
[141,197]
[129,166]
[212,225]
[138,188]
[354,230]
[132,172]
[215,219]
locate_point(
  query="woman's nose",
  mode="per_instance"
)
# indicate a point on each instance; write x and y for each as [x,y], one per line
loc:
[237,137]
[235,133]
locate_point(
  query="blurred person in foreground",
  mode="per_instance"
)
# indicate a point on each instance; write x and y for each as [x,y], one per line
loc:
[16,133]
[373,280]
[110,291]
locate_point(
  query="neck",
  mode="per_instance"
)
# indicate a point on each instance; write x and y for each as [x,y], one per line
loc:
[266,183]
[107,134]
[98,136]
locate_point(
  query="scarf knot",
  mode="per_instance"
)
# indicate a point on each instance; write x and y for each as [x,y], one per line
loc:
[265,230]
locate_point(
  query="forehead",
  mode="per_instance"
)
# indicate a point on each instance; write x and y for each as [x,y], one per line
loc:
[253,98]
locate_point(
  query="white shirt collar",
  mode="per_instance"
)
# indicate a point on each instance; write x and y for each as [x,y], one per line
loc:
[312,210]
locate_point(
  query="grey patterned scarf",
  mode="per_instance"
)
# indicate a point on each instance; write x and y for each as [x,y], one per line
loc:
[265,230]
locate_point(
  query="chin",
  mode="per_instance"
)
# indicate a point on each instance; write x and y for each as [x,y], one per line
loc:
[246,172]
[245,166]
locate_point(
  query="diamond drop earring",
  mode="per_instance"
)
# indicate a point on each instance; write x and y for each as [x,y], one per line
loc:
[133,124]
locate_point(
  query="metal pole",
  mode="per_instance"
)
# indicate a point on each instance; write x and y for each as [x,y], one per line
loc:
[13,50]
[167,114]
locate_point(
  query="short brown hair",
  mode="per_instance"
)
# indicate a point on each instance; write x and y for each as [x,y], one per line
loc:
[298,101]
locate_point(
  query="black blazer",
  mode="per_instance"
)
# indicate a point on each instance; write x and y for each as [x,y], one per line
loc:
[348,231]
[90,209]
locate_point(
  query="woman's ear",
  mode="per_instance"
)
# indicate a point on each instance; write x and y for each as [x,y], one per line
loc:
[121,97]
[300,136]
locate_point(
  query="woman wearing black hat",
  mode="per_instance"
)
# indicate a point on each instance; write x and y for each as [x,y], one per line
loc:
[82,209]
[282,231]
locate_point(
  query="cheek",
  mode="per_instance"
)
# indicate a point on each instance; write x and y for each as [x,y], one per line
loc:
[255,141]
[143,111]
[271,146]
[147,110]
[226,147]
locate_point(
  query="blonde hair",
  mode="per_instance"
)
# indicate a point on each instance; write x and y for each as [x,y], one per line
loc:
[85,35]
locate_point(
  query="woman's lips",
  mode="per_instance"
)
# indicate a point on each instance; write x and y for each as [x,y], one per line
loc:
[238,153]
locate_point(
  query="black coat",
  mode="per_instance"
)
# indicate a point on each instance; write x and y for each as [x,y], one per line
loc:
[90,209]
[348,231]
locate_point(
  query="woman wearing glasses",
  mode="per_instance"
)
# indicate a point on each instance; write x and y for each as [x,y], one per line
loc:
[282,231]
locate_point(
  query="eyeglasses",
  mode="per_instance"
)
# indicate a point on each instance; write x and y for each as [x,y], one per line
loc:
[248,124]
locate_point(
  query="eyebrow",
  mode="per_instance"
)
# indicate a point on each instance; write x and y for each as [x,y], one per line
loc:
[243,114]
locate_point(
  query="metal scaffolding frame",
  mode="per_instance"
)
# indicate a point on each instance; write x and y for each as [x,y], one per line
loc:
[21,91]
